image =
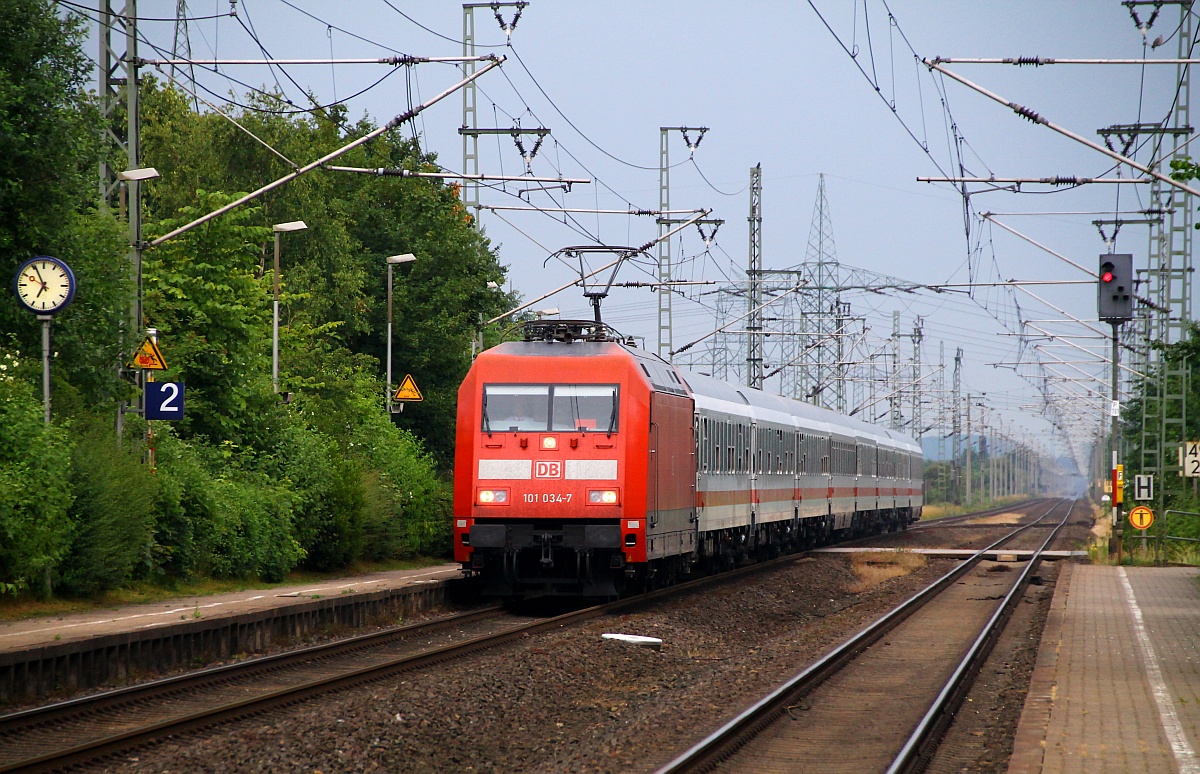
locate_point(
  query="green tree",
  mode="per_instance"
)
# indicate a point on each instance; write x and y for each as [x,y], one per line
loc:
[49,149]
[204,294]
[334,274]
[48,126]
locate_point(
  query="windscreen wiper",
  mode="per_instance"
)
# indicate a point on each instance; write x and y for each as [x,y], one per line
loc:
[612,420]
[487,425]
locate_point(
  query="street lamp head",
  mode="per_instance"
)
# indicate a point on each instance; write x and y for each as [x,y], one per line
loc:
[405,258]
[145,173]
[547,312]
[492,285]
[295,225]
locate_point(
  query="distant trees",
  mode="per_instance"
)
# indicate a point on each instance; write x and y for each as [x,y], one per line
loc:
[244,485]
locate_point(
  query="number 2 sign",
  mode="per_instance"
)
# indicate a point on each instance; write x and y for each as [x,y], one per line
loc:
[164,400]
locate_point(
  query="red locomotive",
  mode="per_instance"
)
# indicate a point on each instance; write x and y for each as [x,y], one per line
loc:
[587,467]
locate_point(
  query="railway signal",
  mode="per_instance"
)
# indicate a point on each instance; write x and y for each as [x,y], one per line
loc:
[1114,295]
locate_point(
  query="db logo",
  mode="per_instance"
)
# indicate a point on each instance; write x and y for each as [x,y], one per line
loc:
[549,469]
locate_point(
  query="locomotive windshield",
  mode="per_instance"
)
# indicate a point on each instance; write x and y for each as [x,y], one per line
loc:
[565,408]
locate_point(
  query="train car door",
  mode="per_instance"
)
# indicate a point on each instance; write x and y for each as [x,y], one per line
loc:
[671,477]
[752,471]
[652,474]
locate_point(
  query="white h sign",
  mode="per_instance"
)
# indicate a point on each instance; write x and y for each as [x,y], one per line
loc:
[1143,488]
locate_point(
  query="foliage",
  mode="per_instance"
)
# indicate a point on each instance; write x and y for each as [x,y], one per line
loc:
[203,295]
[250,534]
[48,127]
[219,516]
[49,134]
[402,503]
[328,497]
[35,492]
[185,504]
[114,511]
[245,486]
[334,273]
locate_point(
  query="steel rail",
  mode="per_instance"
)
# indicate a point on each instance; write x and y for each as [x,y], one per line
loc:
[921,743]
[729,738]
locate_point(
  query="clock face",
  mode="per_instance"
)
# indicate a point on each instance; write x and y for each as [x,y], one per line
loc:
[45,285]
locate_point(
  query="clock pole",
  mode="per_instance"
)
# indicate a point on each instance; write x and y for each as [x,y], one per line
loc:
[44,286]
[46,318]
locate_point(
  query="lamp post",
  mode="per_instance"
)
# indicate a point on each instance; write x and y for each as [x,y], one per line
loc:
[131,203]
[279,228]
[392,260]
[477,338]
[132,178]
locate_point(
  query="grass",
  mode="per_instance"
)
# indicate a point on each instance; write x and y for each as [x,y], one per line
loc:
[1132,554]
[878,566]
[942,510]
[144,592]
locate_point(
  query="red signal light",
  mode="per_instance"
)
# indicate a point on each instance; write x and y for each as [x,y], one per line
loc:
[1106,276]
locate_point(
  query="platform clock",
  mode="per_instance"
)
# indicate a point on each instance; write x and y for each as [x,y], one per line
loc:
[44,285]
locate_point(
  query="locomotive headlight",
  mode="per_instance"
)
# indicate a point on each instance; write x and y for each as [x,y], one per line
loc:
[602,497]
[493,497]
[549,442]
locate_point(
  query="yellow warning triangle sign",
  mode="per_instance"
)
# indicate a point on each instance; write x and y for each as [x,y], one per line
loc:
[149,356]
[408,390]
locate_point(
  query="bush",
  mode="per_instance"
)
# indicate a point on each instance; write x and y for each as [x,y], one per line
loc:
[35,488]
[115,498]
[219,517]
[250,534]
[184,509]
[327,492]
[420,499]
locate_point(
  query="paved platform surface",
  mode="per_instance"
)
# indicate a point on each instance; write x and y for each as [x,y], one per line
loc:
[33,632]
[1116,687]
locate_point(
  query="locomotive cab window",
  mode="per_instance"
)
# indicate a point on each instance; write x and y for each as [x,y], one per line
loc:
[586,408]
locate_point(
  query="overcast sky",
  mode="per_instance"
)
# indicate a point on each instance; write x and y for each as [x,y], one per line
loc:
[774,86]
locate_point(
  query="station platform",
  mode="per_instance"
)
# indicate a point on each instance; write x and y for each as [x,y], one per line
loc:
[35,632]
[1116,686]
[55,656]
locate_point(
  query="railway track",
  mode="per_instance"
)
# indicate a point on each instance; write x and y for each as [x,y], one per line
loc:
[879,701]
[78,730]
[967,518]
[88,728]
[84,729]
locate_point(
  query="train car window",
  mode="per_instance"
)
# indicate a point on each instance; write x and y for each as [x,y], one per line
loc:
[516,407]
[584,408]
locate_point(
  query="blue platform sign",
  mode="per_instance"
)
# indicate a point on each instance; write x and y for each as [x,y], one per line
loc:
[164,400]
